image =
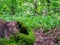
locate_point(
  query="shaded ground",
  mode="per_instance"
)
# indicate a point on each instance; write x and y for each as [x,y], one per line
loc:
[50,38]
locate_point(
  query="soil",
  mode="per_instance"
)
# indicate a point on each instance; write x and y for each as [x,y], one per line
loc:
[52,37]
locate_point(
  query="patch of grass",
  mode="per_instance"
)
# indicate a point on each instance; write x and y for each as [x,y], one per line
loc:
[47,22]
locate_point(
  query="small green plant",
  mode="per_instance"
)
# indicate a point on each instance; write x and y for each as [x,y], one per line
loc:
[23,39]
[3,42]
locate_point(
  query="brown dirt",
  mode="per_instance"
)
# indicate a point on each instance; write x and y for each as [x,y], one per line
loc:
[50,38]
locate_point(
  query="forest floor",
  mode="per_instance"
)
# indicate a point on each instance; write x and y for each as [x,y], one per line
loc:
[52,37]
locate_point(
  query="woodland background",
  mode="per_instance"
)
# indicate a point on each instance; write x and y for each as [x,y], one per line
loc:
[34,14]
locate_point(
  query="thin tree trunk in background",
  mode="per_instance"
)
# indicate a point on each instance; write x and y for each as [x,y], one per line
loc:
[48,4]
[12,7]
[35,7]
[44,11]
[12,12]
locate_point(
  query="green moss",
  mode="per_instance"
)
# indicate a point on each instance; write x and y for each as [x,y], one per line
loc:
[21,42]
[12,44]
[24,39]
[20,38]
[3,42]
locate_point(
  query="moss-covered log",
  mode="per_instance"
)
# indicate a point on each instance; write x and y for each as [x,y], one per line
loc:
[24,36]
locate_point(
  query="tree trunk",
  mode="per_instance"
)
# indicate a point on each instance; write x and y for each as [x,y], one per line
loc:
[48,4]
[35,7]
[12,12]
[44,11]
[12,7]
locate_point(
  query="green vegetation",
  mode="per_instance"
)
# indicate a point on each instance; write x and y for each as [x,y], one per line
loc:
[20,38]
[29,7]
[48,21]
[31,22]
[23,39]
[31,14]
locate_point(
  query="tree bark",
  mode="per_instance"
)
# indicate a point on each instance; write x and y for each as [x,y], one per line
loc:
[12,7]
[12,12]
[48,4]
[35,7]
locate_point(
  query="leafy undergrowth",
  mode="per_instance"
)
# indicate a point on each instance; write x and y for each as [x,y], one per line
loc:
[50,38]
[47,22]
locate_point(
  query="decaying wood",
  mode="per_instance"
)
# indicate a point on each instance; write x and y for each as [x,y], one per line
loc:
[7,28]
